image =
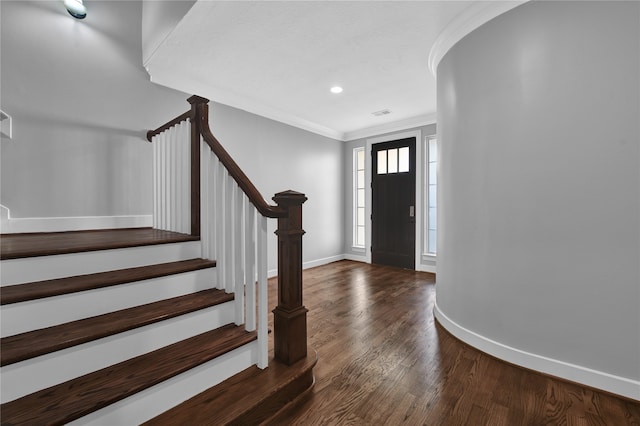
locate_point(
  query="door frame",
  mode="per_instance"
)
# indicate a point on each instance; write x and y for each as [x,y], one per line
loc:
[419,199]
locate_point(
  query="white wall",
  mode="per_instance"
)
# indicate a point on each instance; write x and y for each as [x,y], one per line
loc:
[539,190]
[277,157]
[82,103]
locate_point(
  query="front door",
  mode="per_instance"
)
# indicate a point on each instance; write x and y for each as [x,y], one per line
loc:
[393,191]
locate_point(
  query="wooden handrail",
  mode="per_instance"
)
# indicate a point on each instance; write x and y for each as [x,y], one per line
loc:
[202,120]
[179,119]
[290,315]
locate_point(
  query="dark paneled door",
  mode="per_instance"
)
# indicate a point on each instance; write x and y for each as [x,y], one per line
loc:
[393,190]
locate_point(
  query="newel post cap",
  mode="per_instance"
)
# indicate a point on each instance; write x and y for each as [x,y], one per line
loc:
[195,99]
[289,197]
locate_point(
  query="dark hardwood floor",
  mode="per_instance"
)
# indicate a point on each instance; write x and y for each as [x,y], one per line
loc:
[383,360]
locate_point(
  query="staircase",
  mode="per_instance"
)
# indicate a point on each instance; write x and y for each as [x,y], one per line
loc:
[127,326]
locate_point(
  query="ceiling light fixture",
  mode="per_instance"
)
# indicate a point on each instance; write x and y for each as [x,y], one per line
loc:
[76,8]
[336,89]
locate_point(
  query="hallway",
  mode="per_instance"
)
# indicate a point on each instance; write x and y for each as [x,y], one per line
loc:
[384,360]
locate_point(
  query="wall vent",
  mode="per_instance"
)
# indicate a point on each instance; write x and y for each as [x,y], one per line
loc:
[381,112]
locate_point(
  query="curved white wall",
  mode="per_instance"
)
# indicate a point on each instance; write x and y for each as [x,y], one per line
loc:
[539,203]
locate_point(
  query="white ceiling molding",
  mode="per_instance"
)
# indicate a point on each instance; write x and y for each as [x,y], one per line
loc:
[239,101]
[470,19]
[396,126]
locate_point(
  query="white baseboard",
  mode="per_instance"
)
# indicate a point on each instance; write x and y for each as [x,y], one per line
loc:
[310,264]
[575,373]
[426,268]
[323,261]
[11,225]
[356,257]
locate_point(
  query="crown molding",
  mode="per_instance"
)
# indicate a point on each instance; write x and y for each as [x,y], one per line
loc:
[471,18]
[235,100]
[395,126]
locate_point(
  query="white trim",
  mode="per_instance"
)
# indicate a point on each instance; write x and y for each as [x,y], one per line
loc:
[471,18]
[426,268]
[323,261]
[246,103]
[11,225]
[356,257]
[311,264]
[575,373]
[396,126]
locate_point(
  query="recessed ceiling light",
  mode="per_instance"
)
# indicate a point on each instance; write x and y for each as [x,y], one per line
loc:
[336,89]
[381,112]
[76,8]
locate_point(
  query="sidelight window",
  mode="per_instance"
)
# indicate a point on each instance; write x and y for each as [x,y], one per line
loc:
[431,198]
[358,197]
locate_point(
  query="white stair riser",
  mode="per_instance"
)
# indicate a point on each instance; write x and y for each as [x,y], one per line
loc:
[149,403]
[47,370]
[19,271]
[40,313]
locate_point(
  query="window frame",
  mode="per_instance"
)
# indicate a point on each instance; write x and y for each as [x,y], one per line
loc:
[428,201]
[356,188]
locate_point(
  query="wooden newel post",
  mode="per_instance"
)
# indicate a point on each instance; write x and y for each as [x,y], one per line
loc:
[290,315]
[198,107]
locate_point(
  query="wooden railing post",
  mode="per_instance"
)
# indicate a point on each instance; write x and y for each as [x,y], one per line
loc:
[290,315]
[198,107]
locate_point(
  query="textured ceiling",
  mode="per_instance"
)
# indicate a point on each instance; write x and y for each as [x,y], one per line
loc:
[279,59]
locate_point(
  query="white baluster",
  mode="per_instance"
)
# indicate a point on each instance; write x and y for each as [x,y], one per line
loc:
[163,181]
[228,230]
[263,356]
[220,235]
[156,186]
[213,217]
[177,181]
[238,252]
[171,156]
[205,194]
[249,258]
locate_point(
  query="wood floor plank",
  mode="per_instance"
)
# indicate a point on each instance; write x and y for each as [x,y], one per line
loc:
[364,319]
[71,400]
[39,342]
[14,246]
[37,290]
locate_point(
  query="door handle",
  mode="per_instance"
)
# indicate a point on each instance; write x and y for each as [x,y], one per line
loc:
[411,211]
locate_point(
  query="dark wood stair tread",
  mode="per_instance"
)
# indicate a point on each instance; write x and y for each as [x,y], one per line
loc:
[15,246]
[36,290]
[250,397]
[78,397]
[34,343]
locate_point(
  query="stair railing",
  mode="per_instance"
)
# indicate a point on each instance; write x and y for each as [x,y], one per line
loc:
[199,189]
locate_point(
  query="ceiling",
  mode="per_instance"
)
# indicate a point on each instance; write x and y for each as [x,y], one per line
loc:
[279,60]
